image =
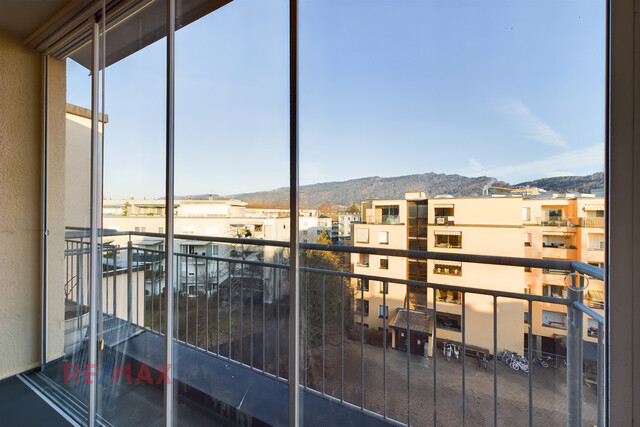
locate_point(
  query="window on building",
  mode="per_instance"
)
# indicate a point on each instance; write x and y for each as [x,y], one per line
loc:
[359,307]
[526,214]
[526,317]
[448,240]
[555,214]
[362,235]
[360,284]
[596,241]
[257,228]
[139,228]
[527,239]
[383,287]
[188,229]
[384,262]
[449,268]
[383,237]
[363,260]
[161,229]
[453,297]
[556,291]
[449,321]
[390,214]
[212,250]
[554,319]
[383,311]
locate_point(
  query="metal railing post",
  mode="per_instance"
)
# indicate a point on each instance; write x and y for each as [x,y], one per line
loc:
[129,280]
[600,375]
[574,358]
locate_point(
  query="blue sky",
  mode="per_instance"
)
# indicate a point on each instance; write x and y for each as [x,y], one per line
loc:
[512,89]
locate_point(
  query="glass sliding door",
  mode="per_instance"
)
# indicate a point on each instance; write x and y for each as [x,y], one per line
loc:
[68,185]
[231,286]
[131,361]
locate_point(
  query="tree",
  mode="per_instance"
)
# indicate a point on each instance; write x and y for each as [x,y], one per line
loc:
[325,297]
[354,209]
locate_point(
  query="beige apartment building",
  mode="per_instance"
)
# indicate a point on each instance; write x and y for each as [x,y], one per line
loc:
[395,224]
[546,225]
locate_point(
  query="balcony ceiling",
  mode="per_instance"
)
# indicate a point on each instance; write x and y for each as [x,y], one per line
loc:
[24,17]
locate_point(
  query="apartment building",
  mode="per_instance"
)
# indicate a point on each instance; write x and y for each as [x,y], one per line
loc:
[543,226]
[396,224]
[481,226]
[565,227]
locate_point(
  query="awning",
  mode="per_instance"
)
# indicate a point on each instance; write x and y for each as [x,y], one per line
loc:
[419,322]
[447,233]
[590,208]
[447,206]
[558,233]
[448,263]
[596,296]
[149,242]
[187,242]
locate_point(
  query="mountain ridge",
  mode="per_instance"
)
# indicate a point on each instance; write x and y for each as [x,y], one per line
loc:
[344,193]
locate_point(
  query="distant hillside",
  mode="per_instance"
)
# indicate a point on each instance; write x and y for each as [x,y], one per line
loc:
[355,190]
[564,184]
[347,192]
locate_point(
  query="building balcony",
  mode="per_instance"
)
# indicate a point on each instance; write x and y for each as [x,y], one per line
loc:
[232,325]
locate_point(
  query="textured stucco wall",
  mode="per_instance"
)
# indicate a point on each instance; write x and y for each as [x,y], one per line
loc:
[56,195]
[20,206]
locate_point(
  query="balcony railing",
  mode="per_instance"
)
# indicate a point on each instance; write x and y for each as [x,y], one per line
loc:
[230,309]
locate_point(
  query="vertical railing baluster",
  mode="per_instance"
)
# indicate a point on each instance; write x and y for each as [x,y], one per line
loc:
[408,343]
[251,328]
[207,289]
[153,287]
[264,319]
[129,283]
[229,328]
[323,331]
[363,287]
[177,304]
[241,310]
[385,288]
[196,341]
[306,329]
[218,307]
[138,290]
[464,350]
[342,338]
[529,343]
[495,361]
[115,283]
[435,353]
[600,375]
[104,282]
[160,282]
[186,300]
[278,324]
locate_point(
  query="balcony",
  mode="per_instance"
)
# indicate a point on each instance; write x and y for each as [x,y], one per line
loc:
[445,220]
[232,325]
[561,222]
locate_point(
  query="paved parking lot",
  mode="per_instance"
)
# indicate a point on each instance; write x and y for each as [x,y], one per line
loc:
[548,389]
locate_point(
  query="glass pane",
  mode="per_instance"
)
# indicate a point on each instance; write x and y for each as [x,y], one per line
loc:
[134,161]
[232,144]
[459,129]
[68,269]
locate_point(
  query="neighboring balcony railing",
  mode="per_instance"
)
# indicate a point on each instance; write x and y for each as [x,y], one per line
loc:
[234,309]
[445,220]
[562,222]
